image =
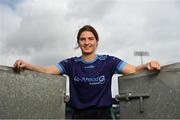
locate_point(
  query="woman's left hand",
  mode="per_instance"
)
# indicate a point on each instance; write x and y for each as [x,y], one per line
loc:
[153,65]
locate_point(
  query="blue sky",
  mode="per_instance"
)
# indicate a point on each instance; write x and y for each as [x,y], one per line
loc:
[11,3]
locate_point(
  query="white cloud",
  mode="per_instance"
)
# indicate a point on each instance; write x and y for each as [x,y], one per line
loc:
[91,11]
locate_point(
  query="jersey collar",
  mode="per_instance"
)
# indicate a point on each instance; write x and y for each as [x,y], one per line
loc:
[88,62]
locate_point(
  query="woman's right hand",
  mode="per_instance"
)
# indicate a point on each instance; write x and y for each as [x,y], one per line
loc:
[20,64]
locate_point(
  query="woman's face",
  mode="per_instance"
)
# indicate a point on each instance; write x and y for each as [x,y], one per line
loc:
[87,42]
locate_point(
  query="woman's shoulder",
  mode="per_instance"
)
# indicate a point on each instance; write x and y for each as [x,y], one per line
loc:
[70,59]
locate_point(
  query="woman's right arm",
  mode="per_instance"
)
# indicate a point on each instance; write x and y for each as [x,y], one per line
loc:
[20,64]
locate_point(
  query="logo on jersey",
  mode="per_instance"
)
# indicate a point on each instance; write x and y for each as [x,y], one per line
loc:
[91,80]
[90,66]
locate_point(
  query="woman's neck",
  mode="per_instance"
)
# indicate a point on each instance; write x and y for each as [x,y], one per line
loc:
[89,57]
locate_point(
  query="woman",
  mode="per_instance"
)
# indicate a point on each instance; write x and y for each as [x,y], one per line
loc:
[90,75]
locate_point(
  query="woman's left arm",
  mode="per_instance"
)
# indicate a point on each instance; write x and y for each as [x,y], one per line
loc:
[152,65]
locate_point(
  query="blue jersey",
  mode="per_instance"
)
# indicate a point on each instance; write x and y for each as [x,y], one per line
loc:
[90,82]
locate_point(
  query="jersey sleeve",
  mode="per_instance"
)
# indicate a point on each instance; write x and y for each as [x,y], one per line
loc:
[64,66]
[118,65]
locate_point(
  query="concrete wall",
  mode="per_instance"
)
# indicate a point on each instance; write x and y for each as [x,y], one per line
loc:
[27,95]
[148,94]
[160,91]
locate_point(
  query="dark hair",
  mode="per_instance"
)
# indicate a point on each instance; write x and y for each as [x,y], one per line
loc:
[87,28]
